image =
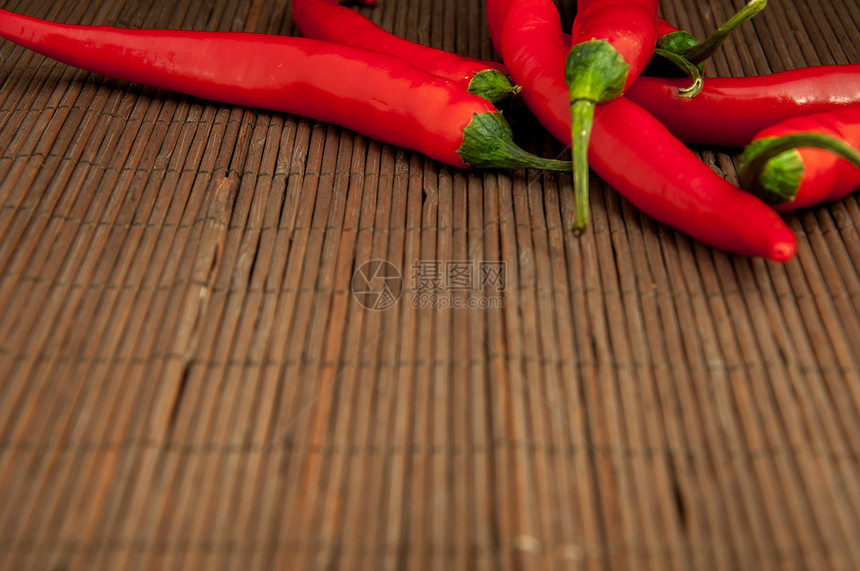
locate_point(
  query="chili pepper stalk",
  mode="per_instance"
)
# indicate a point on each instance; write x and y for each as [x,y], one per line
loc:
[681,51]
[678,51]
[655,171]
[804,161]
[772,168]
[611,44]
[369,92]
[596,73]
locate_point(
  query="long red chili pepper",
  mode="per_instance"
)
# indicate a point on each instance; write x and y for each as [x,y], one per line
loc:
[612,42]
[630,149]
[375,94]
[805,161]
[730,111]
[327,20]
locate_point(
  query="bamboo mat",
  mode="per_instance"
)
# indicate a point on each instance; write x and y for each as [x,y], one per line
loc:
[198,368]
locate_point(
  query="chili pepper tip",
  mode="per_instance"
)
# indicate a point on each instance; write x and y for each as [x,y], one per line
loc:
[783,251]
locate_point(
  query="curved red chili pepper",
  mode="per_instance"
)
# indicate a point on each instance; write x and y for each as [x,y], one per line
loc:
[730,111]
[327,20]
[653,170]
[612,42]
[378,95]
[805,161]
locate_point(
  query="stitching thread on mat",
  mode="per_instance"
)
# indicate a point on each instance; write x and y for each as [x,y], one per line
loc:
[645,292]
[129,119]
[573,447]
[282,172]
[328,227]
[626,366]
[563,551]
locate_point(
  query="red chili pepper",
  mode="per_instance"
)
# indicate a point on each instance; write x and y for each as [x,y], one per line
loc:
[327,20]
[375,94]
[612,42]
[653,170]
[496,10]
[675,47]
[677,50]
[805,161]
[730,111]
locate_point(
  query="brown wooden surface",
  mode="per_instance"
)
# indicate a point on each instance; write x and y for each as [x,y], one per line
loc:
[186,380]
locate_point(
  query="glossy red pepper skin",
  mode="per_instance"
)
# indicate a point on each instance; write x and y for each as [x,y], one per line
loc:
[496,12]
[664,28]
[814,175]
[653,170]
[731,111]
[328,20]
[375,94]
[629,26]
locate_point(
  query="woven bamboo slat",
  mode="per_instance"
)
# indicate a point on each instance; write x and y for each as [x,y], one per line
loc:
[191,378]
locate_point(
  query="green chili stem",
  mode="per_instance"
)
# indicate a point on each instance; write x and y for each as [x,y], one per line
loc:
[488,143]
[705,49]
[595,73]
[494,86]
[582,116]
[754,160]
[688,68]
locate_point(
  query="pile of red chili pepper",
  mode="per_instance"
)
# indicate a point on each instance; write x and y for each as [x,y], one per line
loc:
[619,70]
